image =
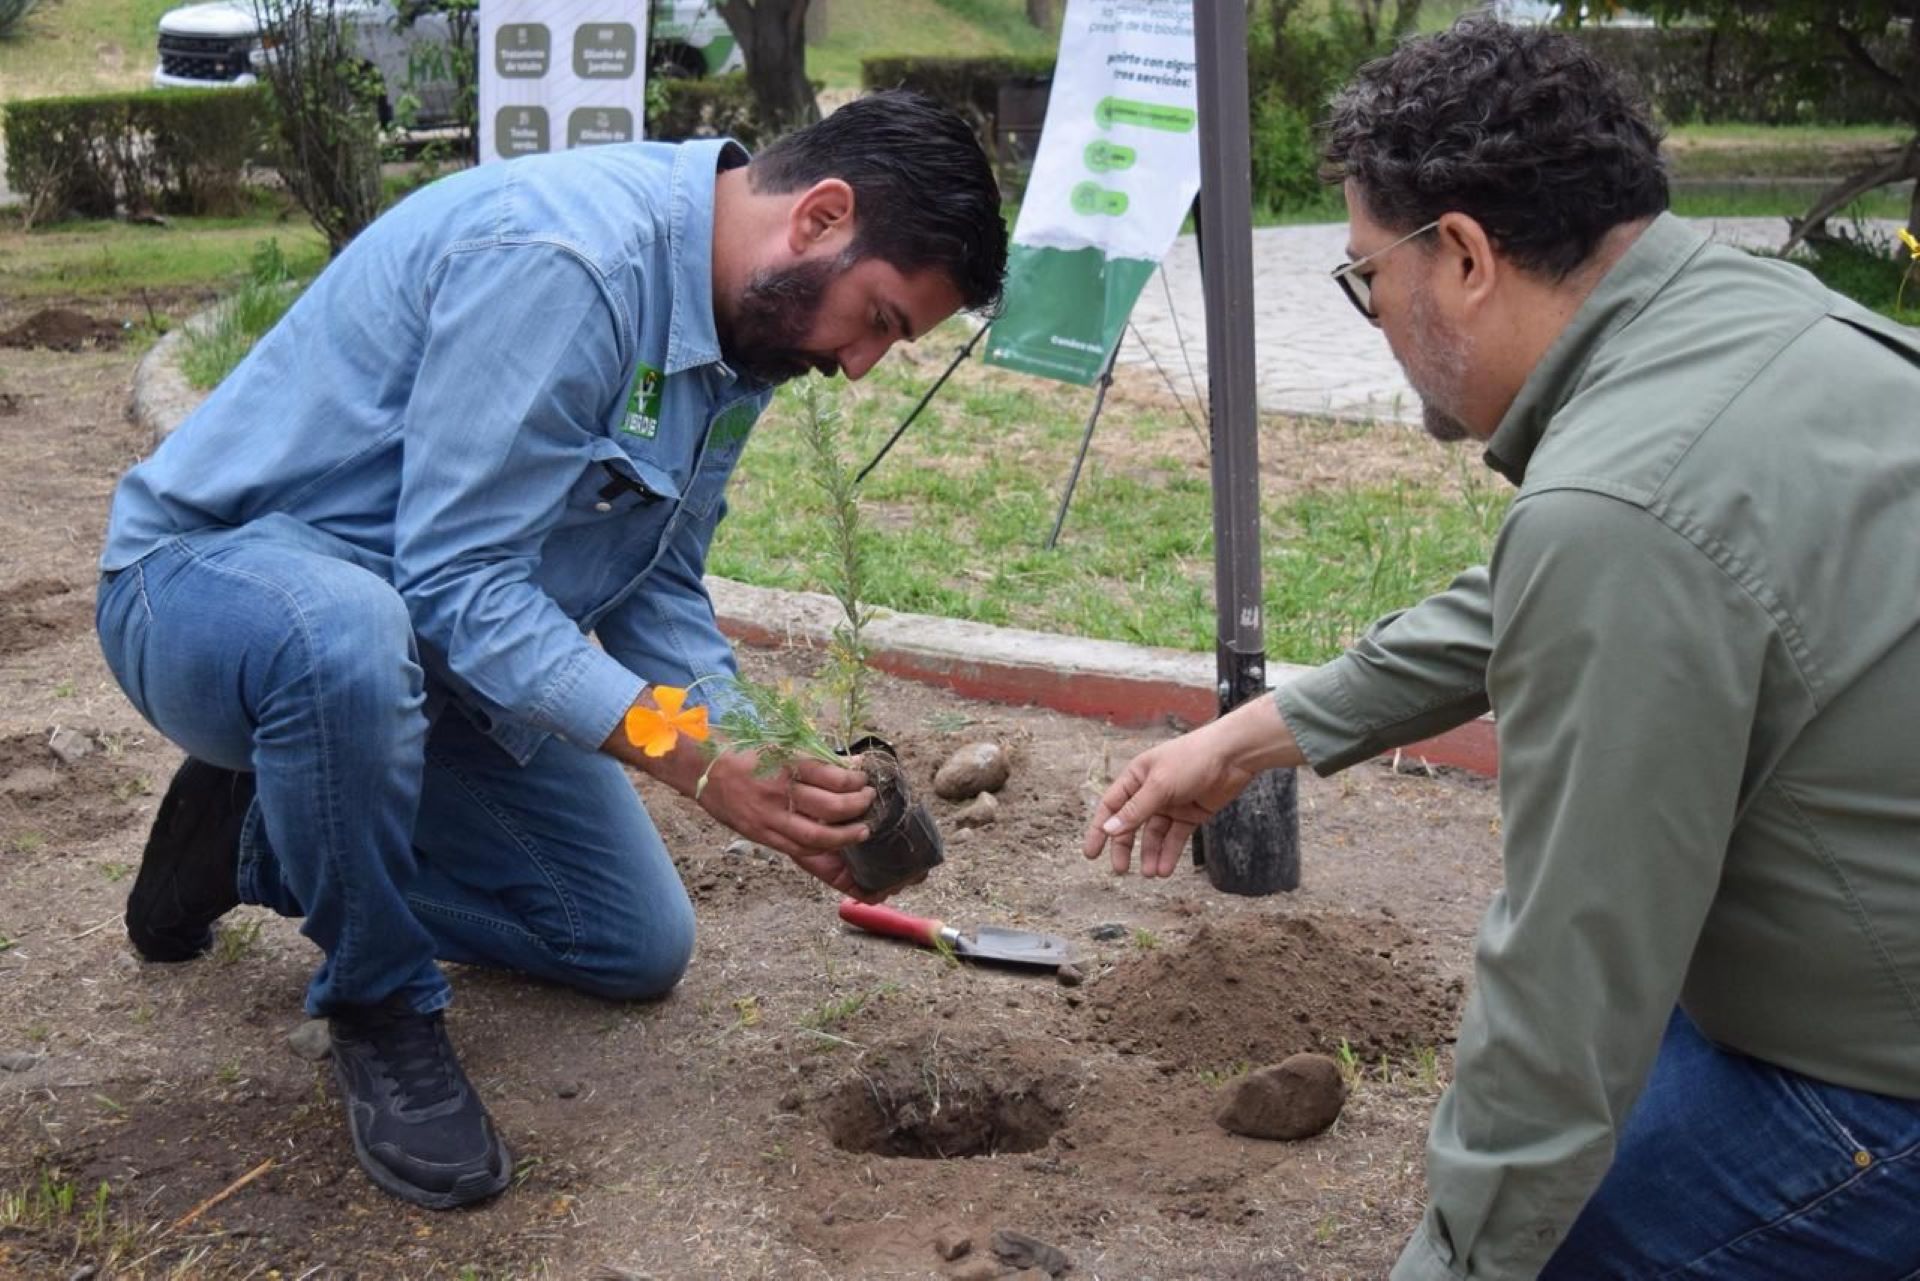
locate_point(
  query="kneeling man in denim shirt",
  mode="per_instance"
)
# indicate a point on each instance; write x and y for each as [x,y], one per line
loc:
[357,585]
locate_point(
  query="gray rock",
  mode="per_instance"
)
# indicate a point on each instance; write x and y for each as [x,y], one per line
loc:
[984,811]
[1069,976]
[1018,1250]
[69,744]
[1294,1099]
[311,1040]
[971,770]
[951,1243]
[19,1062]
[1108,933]
[570,1090]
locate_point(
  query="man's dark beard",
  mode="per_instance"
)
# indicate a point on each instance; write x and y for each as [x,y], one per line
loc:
[772,318]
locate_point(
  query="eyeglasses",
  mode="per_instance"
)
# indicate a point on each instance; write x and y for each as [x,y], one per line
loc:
[1359,288]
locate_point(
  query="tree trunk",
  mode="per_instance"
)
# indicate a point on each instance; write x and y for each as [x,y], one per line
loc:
[772,36]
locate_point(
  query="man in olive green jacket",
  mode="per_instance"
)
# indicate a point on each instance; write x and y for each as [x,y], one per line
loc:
[1693,1044]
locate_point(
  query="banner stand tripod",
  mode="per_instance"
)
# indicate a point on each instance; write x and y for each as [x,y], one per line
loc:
[1079,459]
[932,391]
[1086,439]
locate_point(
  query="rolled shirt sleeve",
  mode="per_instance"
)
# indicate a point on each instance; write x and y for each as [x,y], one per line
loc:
[521,362]
[1625,668]
[1415,674]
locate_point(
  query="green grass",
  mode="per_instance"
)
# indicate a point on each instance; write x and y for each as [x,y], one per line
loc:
[1871,269]
[79,260]
[264,295]
[957,515]
[81,46]
[859,29]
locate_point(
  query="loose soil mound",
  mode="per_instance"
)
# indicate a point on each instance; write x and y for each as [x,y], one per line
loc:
[1256,990]
[39,612]
[59,329]
[45,804]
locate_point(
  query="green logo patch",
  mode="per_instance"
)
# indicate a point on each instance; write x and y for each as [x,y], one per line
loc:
[643,404]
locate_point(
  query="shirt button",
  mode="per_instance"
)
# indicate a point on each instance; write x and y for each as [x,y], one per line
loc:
[603,506]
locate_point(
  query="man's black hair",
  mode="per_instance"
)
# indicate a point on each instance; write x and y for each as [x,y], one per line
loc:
[1521,128]
[924,194]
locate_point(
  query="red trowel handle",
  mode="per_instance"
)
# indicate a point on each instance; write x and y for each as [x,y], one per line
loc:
[878,919]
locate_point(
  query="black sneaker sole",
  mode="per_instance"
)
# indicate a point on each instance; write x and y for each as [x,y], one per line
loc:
[467,1189]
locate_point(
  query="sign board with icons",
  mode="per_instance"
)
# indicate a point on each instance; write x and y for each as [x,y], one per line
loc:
[558,74]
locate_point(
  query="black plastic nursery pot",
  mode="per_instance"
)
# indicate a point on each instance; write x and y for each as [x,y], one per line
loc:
[905,844]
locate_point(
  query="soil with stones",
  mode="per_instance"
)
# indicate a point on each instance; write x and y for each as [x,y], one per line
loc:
[811,1101]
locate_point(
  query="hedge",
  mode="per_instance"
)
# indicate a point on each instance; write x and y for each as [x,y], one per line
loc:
[1695,75]
[163,151]
[713,107]
[970,86]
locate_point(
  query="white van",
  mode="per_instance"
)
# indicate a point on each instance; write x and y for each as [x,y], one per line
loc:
[209,46]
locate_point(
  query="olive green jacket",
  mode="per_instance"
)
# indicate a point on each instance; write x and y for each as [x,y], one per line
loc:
[1700,635]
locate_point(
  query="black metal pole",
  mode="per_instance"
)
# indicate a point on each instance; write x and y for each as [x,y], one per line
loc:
[1253,845]
[940,382]
[1086,438]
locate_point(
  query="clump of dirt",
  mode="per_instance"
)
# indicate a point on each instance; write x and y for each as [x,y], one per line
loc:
[44,802]
[943,1096]
[9,404]
[62,329]
[39,612]
[1257,990]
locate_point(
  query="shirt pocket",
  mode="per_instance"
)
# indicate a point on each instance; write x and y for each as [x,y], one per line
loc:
[616,484]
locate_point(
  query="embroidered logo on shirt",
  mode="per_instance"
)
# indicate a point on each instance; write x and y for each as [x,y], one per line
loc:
[643,404]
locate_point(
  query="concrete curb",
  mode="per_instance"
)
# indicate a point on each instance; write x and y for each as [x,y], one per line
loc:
[1130,685]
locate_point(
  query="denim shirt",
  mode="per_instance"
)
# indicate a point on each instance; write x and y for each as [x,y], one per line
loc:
[506,397]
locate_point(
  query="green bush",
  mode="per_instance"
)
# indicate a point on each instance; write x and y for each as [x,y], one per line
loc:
[1869,267]
[714,107]
[971,86]
[1286,163]
[169,151]
[12,14]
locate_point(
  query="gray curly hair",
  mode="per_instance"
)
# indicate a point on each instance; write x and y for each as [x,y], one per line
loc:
[1521,128]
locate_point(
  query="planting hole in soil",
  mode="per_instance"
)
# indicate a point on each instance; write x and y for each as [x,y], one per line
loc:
[939,1098]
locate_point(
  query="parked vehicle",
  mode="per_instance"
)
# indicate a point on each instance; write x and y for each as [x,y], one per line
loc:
[204,46]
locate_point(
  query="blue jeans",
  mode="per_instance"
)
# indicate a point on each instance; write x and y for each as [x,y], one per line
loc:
[1730,1168]
[398,838]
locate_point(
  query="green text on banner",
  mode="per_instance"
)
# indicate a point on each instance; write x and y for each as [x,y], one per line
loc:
[1117,170]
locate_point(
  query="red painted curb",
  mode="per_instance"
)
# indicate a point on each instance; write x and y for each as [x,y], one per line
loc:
[1130,701]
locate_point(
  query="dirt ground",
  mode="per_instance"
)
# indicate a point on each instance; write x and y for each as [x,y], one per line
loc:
[809,1103]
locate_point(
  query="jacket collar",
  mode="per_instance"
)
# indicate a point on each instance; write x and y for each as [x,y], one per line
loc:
[692,339]
[1653,260]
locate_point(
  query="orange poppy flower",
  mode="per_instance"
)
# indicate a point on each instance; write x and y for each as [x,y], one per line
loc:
[654,730]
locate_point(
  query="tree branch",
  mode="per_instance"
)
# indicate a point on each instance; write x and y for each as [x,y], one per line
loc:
[1862,56]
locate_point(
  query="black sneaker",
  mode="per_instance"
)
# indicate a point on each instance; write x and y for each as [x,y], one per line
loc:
[419,1129]
[186,880]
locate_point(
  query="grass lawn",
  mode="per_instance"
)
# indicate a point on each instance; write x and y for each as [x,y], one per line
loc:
[82,46]
[1358,520]
[859,29]
[80,260]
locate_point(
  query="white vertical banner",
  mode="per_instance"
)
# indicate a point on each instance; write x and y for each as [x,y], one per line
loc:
[1117,169]
[558,74]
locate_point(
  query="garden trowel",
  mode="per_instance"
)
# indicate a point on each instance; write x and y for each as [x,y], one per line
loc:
[985,943]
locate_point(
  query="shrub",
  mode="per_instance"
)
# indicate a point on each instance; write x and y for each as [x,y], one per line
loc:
[1286,163]
[971,86]
[173,151]
[715,107]
[326,111]
[12,14]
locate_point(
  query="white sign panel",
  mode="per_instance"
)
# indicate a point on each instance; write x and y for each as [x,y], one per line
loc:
[557,74]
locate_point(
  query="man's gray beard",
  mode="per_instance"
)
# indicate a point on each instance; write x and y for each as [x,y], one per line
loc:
[1436,365]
